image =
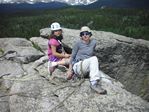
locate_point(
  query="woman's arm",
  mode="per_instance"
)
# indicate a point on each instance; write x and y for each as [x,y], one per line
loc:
[74,52]
[72,59]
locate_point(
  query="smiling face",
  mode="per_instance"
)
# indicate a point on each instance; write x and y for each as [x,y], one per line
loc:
[85,35]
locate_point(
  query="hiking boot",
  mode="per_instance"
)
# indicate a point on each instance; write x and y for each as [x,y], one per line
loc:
[97,88]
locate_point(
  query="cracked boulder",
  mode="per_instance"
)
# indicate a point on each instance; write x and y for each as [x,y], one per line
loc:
[19,49]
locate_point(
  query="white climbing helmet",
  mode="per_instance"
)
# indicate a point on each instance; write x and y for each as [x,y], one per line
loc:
[55,26]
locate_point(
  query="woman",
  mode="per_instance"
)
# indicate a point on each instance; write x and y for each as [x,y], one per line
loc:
[56,54]
[83,60]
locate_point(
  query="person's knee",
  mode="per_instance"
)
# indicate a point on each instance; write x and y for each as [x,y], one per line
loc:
[66,61]
[94,58]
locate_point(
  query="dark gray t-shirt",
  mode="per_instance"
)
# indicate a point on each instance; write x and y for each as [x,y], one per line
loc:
[82,50]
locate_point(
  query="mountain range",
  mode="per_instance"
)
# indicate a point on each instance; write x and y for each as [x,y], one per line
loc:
[8,6]
[70,2]
[131,4]
[15,7]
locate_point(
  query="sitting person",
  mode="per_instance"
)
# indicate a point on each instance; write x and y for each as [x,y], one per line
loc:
[56,54]
[83,61]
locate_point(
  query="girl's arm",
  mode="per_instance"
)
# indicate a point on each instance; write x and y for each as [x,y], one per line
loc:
[59,55]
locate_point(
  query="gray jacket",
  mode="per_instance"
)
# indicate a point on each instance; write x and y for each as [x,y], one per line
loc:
[82,51]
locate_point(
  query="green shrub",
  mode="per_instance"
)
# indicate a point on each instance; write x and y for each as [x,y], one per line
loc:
[128,22]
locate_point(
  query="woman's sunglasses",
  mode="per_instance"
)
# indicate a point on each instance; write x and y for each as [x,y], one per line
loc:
[85,33]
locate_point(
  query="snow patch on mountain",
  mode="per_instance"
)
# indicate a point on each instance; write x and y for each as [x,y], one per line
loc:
[70,2]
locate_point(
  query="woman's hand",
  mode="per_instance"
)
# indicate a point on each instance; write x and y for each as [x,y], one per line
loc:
[69,74]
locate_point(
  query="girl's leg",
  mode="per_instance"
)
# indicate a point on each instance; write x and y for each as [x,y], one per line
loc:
[64,61]
[50,68]
[52,65]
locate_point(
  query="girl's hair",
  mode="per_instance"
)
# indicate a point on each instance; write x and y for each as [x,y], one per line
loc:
[51,35]
[56,37]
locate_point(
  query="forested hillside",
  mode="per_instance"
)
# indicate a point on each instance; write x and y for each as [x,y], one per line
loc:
[129,22]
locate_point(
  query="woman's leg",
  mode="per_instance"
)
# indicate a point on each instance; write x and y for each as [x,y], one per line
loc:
[90,65]
[94,69]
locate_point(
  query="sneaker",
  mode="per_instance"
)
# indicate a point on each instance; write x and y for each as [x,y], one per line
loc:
[97,88]
[62,68]
[51,68]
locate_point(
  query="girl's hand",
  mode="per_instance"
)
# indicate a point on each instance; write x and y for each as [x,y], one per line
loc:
[66,55]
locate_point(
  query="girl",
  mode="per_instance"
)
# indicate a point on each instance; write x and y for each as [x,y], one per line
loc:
[56,54]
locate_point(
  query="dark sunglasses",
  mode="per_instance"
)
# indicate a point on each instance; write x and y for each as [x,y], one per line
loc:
[85,33]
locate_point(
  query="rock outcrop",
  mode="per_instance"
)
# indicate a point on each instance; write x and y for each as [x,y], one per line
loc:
[26,86]
[123,58]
